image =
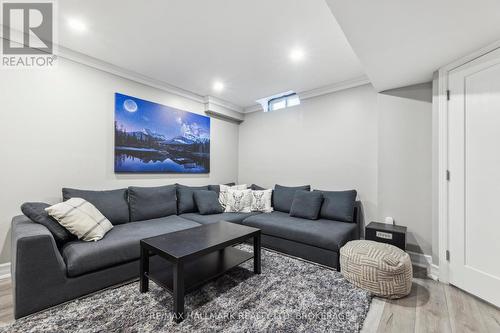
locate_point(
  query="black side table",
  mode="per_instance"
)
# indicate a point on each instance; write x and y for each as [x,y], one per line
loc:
[386,233]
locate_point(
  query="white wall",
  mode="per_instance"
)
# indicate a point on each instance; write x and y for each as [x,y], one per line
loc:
[57,130]
[405,161]
[379,144]
[329,142]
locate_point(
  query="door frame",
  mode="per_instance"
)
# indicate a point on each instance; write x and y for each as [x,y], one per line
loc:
[440,105]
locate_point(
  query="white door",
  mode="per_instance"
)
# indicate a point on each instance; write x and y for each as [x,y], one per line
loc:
[474,186]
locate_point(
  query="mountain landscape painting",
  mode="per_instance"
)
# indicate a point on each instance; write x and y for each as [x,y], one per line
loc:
[151,137]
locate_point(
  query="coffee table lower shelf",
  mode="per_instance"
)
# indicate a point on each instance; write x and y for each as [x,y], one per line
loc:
[199,271]
[182,261]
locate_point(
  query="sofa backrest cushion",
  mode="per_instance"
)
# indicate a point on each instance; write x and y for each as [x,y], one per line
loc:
[152,202]
[283,196]
[185,198]
[113,204]
[306,205]
[35,211]
[338,205]
[216,188]
[207,202]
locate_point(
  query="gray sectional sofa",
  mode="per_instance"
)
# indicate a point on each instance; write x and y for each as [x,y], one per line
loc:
[50,266]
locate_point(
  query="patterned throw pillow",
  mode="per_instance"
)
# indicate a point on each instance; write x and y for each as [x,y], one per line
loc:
[81,218]
[223,192]
[261,201]
[239,201]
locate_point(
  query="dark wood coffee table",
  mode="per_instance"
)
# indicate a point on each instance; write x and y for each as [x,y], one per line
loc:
[195,256]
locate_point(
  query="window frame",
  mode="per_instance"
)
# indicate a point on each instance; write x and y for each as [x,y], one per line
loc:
[284,98]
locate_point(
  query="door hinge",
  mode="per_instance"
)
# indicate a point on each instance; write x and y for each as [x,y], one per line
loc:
[448,175]
[448,95]
[447,255]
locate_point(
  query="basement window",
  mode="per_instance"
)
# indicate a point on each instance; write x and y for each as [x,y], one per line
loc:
[283,102]
[279,101]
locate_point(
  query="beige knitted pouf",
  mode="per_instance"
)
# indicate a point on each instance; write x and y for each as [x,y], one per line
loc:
[382,269]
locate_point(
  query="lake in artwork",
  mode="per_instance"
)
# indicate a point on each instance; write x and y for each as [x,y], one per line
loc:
[151,137]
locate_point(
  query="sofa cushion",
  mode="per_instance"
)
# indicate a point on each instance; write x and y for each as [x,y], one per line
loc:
[326,234]
[120,245]
[35,211]
[255,187]
[152,202]
[338,205]
[185,198]
[216,188]
[306,204]
[283,196]
[112,204]
[207,219]
[207,202]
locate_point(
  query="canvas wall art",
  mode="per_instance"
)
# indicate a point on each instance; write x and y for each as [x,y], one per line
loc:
[150,137]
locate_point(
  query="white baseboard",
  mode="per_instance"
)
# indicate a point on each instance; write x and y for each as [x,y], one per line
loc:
[433,272]
[5,271]
[425,261]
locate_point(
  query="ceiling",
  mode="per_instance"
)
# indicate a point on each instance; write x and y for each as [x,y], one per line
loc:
[400,43]
[192,43]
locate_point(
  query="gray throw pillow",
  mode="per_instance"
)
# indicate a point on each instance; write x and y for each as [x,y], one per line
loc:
[113,204]
[254,187]
[338,205]
[185,198]
[152,202]
[35,211]
[207,202]
[306,205]
[283,196]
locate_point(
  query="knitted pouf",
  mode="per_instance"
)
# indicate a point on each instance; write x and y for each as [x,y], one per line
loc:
[382,269]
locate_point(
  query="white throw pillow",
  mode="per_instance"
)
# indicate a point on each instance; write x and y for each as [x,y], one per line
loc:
[239,201]
[261,201]
[81,218]
[223,192]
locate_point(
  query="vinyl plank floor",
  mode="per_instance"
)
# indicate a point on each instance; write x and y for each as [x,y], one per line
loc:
[6,307]
[463,310]
[399,315]
[432,311]
[432,307]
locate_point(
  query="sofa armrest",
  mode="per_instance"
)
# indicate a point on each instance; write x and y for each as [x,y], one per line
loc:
[358,219]
[35,264]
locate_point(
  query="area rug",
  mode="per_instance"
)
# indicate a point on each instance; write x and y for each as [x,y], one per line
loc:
[290,295]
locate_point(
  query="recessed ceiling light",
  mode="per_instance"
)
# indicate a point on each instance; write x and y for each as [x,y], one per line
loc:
[77,25]
[218,86]
[297,54]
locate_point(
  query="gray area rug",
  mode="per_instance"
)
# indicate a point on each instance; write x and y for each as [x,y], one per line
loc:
[290,295]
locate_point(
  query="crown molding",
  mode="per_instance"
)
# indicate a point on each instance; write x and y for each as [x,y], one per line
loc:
[223,116]
[334,87]
[252,108]
[210,100]
[107,67]
[143,79]
[356,82]
[83,59]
